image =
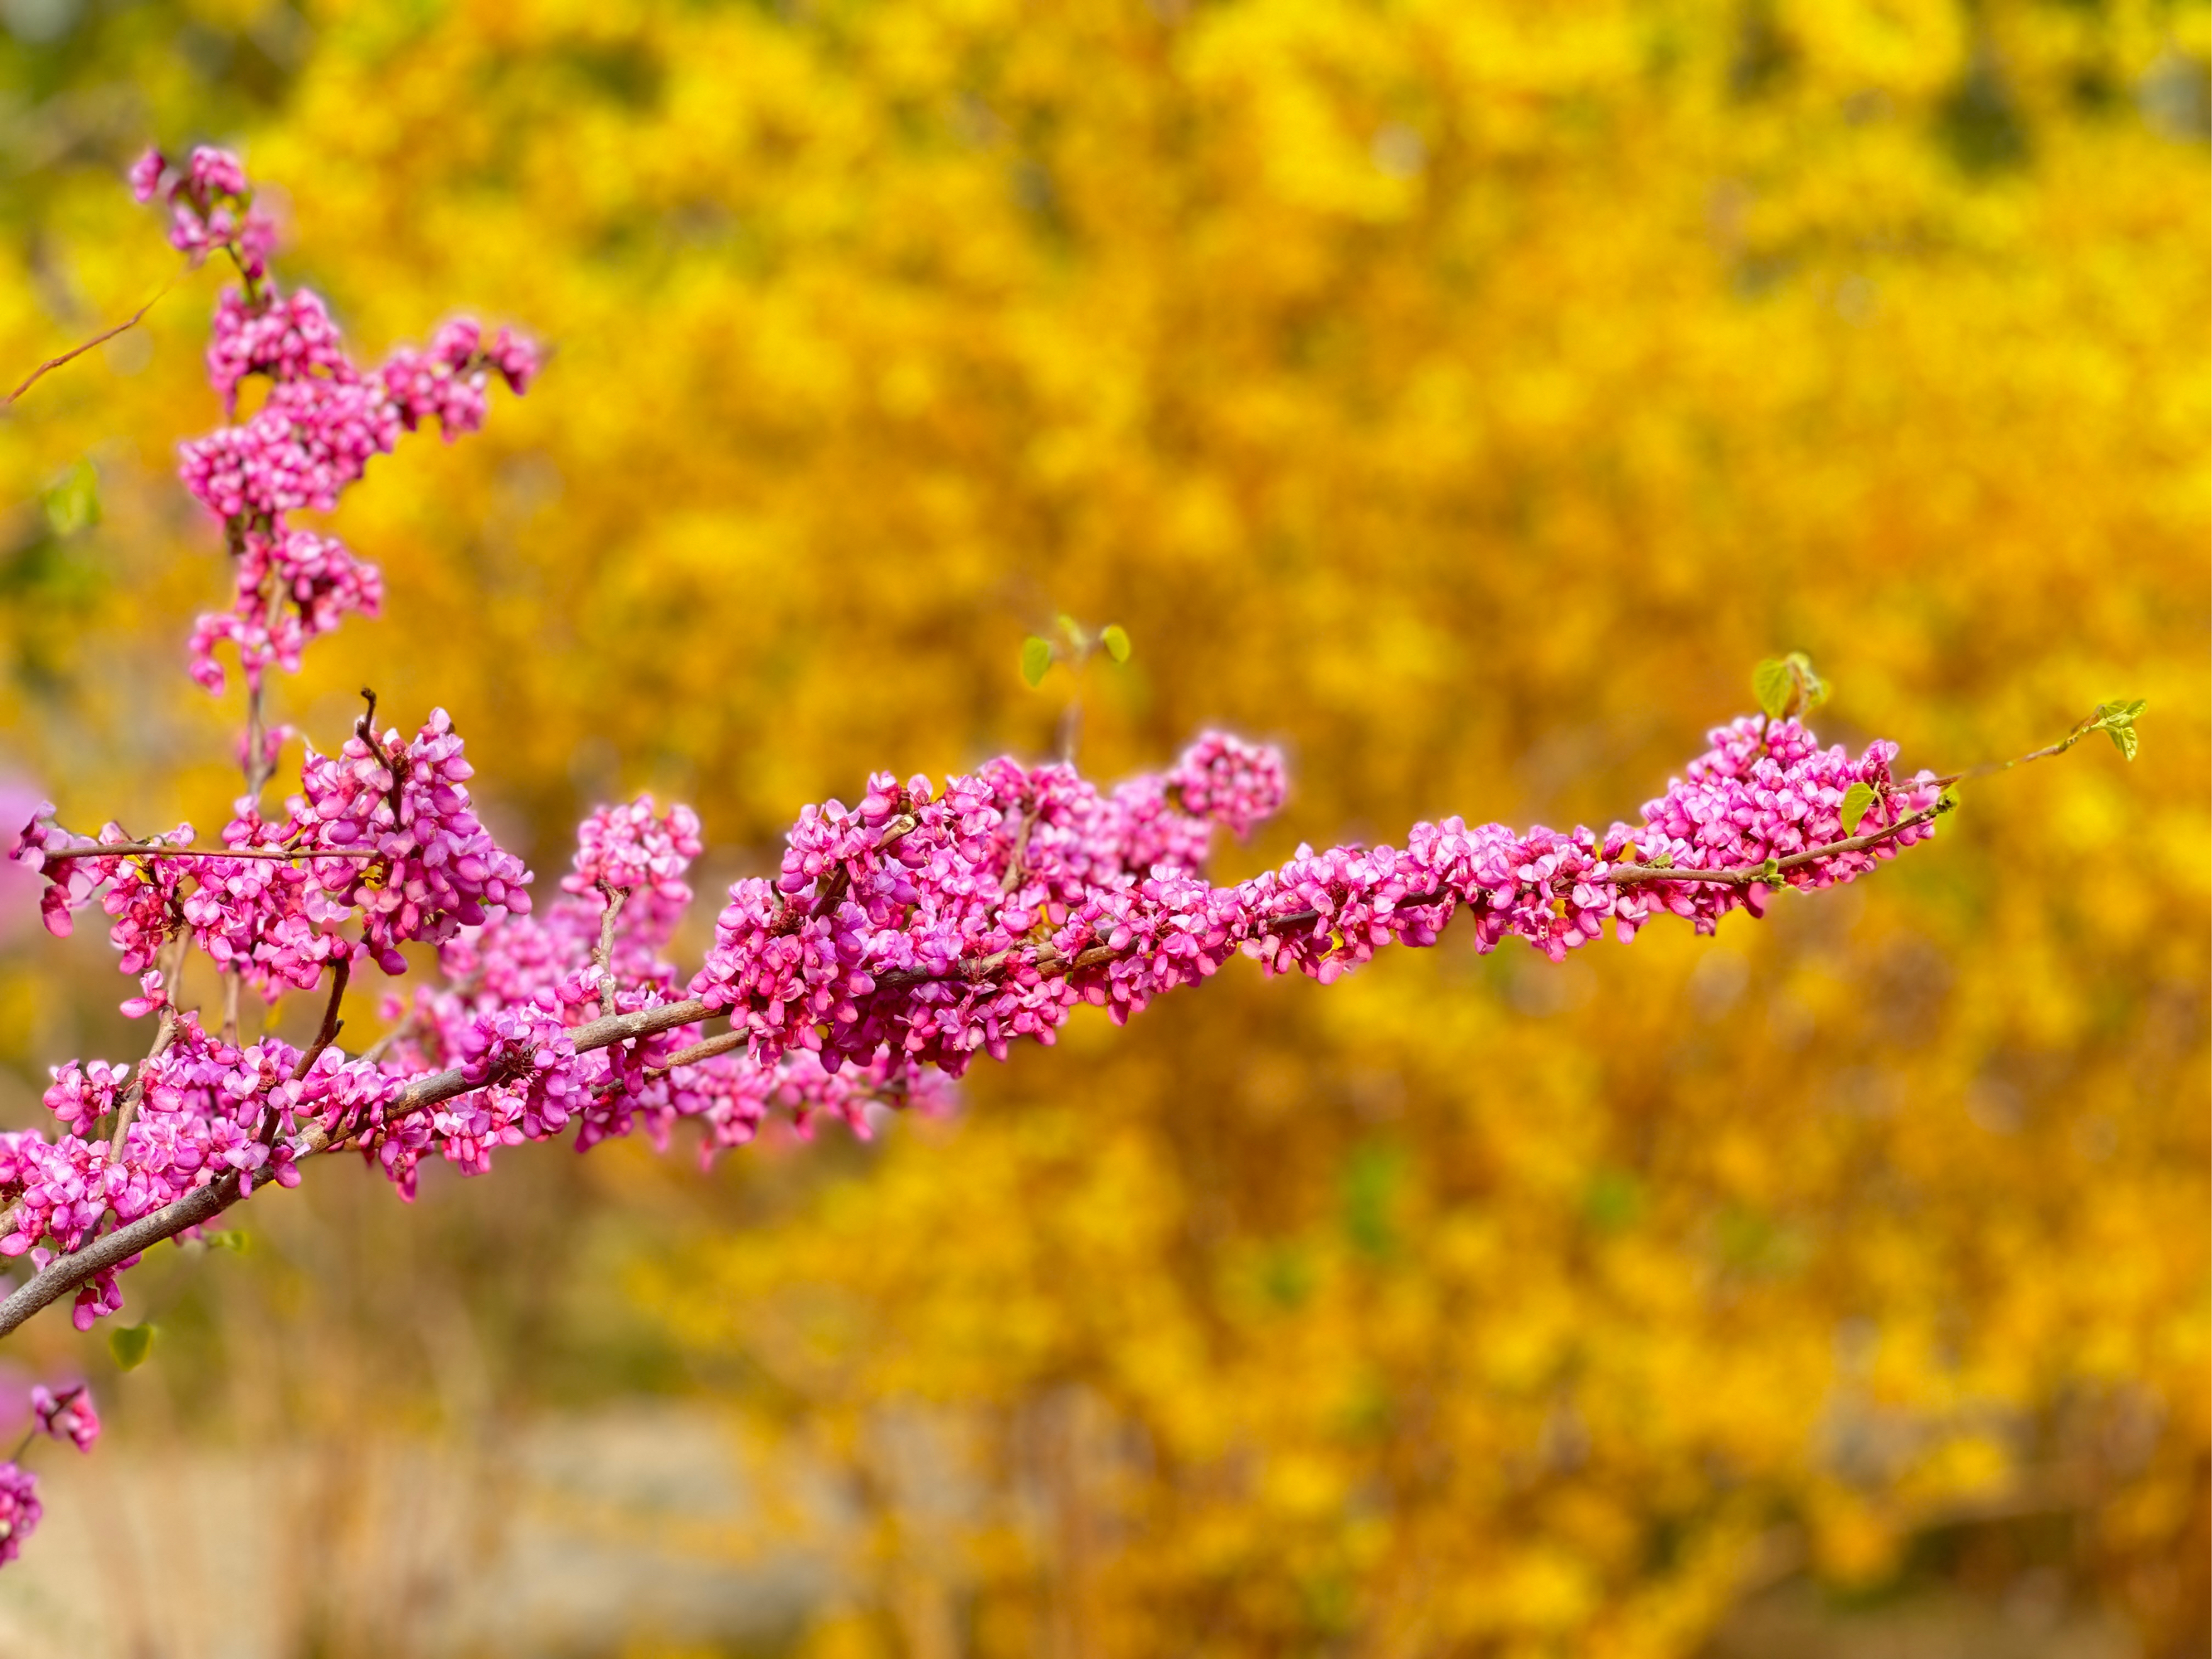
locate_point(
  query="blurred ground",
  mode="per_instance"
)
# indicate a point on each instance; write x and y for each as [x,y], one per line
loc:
[579,1536]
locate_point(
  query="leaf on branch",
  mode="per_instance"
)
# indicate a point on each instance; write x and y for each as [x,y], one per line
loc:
[1036,658]
[1115,638]
[130,1344]
[1770,684]
[1857,800]
[2117,721]
[1787,685]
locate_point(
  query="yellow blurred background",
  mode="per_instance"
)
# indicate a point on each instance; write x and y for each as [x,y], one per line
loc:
[1463,395]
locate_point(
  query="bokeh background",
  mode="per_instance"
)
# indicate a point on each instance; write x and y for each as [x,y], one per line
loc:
[1462,394]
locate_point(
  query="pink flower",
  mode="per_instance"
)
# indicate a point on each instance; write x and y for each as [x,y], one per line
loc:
[146,175]
[67,1415]
[20,1509]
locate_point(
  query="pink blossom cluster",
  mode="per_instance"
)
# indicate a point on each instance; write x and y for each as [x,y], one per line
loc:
[1013,896]
[516,987]
[1230,781]
[210,207]
[632,850]
[383,833]
[67,1414]
[291,588]
[324,420]
[20,1509]
[433,867]
[205,1108]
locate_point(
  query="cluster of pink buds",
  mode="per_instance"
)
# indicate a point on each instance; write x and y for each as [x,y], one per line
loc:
[324,420]
[383,833]
[67,1415]
[20,1509]
[210,207]
[1230,781]
[642,855]
[63,1414]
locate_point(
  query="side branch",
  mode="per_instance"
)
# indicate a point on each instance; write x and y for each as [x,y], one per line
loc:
[63,1275]
[137,849]
[131,321]
[1621,875]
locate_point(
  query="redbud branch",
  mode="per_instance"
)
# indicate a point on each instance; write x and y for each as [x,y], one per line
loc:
[65,1273]
[1991,769]
[154,850]
[1013,879]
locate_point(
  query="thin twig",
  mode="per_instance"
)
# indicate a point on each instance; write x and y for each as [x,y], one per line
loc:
[1013,879]
[131,321]
[257,742]
[365,729]
[171,961]
[833,888]
[154,850]
[165,1032]
[603,958]
[698,1051]
[341,971]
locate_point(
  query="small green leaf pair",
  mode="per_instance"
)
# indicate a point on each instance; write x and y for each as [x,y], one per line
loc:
[1039,653]
[2117,720]
[1787,685]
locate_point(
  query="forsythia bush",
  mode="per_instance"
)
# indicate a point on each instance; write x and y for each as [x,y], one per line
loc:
[1462,396]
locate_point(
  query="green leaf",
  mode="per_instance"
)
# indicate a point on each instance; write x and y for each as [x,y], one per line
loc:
[2123,739]
[129,1344]
[73,502]
[1036,658]
[229,1239]
[1857,800]
[1787,685]
[1116,639]
[1773,683]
